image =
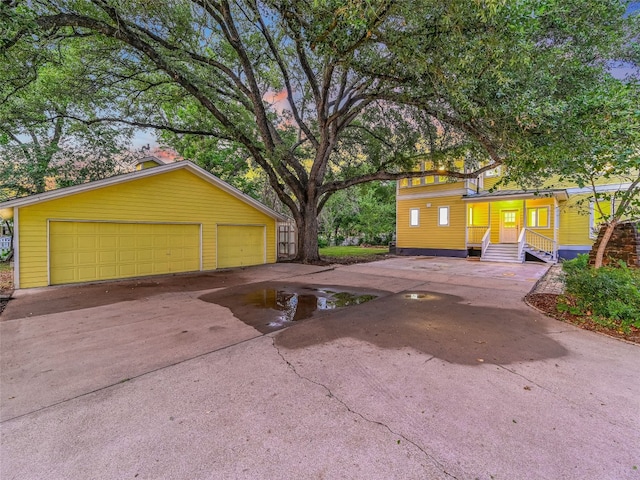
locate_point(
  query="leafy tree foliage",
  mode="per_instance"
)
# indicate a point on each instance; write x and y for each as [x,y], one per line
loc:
[366,211]
[601,131]
[325,95]
[42,145]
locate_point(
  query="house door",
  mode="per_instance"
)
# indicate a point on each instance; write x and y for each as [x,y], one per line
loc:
[509,226]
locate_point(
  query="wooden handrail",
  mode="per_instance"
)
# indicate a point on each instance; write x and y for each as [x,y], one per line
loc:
[541,243]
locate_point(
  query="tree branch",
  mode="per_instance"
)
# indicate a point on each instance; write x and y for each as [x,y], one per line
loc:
[285,75]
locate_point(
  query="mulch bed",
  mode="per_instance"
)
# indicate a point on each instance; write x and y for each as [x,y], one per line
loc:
[547,303]
[3,301]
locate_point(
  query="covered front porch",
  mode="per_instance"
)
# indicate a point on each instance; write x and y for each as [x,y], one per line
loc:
[506,225]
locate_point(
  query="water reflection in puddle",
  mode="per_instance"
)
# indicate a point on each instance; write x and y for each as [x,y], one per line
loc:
[420,296]
[291,306]
[272,306]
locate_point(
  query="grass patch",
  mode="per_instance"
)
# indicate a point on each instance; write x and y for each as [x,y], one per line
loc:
[341,252]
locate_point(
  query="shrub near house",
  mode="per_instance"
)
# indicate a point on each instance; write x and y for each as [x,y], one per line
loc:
[611,295]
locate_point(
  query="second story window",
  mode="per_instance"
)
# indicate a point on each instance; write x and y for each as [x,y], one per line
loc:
[494,172]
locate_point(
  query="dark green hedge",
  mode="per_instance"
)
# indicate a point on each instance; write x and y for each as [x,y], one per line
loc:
[608,293]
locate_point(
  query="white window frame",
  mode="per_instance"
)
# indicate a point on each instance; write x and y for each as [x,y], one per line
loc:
[411,217]
[419,183]
[494,172]
[537,226]
[444,208]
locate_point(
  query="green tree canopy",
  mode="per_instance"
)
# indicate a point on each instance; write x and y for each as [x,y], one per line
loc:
[601,131]
[327,94]
[42,144]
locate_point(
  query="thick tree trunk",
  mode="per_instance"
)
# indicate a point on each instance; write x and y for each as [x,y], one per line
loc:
[603,243]
[308,236]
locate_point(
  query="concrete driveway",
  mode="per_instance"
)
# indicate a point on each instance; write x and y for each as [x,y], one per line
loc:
[446,374]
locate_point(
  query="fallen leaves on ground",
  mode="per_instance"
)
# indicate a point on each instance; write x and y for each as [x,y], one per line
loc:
[6,281]
[547,303]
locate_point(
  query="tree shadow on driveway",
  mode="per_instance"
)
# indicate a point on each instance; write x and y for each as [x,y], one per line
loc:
[435,324]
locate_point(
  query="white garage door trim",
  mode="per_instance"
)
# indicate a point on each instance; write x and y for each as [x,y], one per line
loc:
[264,237]
[130,222]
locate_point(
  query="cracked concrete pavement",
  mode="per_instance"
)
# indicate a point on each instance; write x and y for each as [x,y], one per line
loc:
[448,374]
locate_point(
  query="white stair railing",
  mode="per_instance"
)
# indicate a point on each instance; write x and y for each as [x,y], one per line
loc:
[538,242]
[486,241]
[521,241]
[475,234]
[5,243]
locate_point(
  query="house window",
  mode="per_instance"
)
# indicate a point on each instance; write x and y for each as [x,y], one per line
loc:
[596,219]
[494,172]
[414,217]
[470,217]
[538,217]
[443,216]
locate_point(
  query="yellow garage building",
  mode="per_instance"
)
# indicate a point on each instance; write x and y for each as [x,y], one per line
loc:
[166,219]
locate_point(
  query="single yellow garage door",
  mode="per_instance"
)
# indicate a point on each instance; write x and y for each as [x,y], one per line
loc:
[241,245]
[87,251]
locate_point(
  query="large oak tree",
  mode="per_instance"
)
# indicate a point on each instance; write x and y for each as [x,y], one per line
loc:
[326,94]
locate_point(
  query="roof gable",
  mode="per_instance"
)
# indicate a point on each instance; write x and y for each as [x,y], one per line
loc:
[144,173]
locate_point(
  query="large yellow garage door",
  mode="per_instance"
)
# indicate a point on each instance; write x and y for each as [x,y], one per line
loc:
[241,245]
[87,251]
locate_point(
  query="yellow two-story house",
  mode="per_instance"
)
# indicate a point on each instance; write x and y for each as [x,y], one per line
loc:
[442,216]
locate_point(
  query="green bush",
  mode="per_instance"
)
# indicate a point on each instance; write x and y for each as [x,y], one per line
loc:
[608,293]
[322,242]
[581,262]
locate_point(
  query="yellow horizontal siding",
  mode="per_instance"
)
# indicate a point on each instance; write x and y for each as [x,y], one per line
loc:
[553,182]
[477,221]
[556,182]
[490,182]
[574,222]
[429,234]
[480,215]
[430,188]
[176,196]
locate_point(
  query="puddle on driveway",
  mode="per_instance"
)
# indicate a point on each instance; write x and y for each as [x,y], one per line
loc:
[438,325]
[273,307]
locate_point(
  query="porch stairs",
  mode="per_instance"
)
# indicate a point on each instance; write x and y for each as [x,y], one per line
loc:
[501,252]
[542,255]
